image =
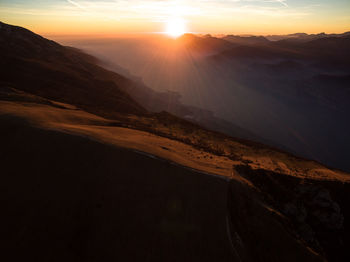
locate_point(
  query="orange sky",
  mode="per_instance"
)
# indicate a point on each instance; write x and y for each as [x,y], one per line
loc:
[79,17]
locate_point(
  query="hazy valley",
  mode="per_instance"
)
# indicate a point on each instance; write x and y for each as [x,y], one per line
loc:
[290,92]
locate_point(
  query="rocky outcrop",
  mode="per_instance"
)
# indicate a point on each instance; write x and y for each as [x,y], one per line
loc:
[261,233]
[314,208]
[313,213]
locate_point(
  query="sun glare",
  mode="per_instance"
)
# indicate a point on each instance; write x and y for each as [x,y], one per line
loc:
[175,27]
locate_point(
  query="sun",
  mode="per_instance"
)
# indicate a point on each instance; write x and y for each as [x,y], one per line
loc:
[175,27]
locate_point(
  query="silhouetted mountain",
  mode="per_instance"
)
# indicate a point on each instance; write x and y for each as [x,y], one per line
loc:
[204,44]
[330,49]
[246,40]
[258,52]
[303,37]
[337,47]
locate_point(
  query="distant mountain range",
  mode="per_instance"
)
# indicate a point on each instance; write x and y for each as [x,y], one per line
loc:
[294,46]
[300,88]
[303,36]
[296,37]
[292,94]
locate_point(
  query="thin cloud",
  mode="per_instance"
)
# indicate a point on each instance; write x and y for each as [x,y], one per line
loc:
[76,4]
[283,3]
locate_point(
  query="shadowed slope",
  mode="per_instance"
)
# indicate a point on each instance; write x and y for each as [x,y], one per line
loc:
[42,67]
[74,198]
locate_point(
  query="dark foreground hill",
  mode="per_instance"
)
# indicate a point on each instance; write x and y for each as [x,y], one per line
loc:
[78,187]
[89,181]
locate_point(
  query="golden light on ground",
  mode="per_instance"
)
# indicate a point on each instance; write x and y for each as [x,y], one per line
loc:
[175,27]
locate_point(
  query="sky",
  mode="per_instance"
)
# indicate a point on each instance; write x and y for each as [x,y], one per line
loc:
[113,17]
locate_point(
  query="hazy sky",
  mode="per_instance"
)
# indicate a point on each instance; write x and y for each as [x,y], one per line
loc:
[200,16]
